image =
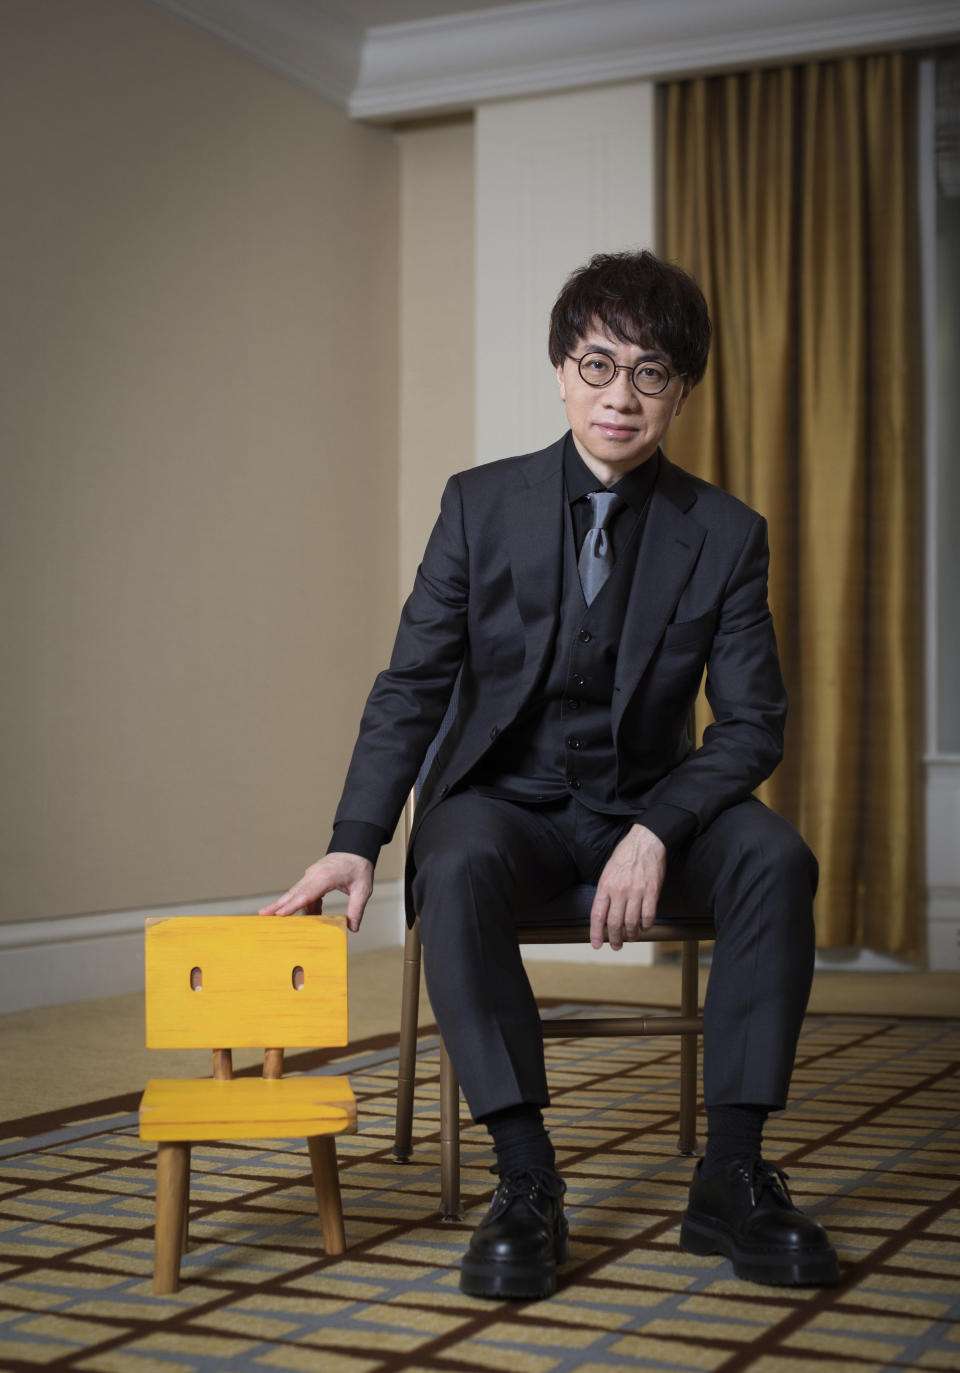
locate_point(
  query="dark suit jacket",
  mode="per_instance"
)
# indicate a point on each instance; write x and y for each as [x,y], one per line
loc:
[485,606]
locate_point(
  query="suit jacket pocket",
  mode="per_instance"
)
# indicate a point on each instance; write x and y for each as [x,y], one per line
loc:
[684,633]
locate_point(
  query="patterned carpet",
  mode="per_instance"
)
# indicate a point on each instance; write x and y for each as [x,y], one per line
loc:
[871,1145]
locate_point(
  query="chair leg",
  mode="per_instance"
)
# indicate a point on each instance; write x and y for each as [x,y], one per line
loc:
[326,1183]
[407,1057]
[689,998]
[185,1238]
[173,1166]
[449,1139]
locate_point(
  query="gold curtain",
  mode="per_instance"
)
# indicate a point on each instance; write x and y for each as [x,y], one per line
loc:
[789,195]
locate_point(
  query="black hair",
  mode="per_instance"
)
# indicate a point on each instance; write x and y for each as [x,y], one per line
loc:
[639,298]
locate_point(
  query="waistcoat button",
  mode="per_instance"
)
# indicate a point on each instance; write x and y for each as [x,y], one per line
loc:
[584,636]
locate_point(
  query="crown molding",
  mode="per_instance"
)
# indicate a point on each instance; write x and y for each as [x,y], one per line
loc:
[398,71]
[552,45]
[291,37]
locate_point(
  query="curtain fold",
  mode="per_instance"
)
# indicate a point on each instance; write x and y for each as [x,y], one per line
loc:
[789,194]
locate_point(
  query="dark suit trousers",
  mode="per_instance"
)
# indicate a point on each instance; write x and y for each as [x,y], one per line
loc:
[480,861]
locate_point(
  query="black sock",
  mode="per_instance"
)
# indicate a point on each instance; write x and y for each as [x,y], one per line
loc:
[733,1132]
[520,1138]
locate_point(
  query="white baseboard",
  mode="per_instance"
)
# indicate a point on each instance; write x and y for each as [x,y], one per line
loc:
[84,957]
[861,961]
[943,929]
[582,953]
[943,862]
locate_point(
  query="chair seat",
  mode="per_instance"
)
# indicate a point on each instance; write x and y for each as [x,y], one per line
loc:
[246,1108]
[566,918]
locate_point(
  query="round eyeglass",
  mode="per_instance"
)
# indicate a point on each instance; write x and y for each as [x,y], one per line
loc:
[599,369]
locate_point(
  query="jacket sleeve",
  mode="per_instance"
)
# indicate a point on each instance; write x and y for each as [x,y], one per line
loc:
[745,691]
[407,703]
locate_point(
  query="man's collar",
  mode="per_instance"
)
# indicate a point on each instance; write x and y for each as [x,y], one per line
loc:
[633,488]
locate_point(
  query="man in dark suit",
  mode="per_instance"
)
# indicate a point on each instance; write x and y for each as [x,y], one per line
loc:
[570,601]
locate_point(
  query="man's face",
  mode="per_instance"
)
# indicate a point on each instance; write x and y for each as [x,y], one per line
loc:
[615,427]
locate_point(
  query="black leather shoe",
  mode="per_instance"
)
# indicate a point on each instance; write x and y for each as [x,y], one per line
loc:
[516,1248]
[746,1213]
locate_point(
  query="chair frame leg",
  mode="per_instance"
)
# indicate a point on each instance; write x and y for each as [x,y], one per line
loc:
[407,1052]
[326,1184]
[406,1085]
[689,1000]
[185,1238]
[449,1139]
[173,1171]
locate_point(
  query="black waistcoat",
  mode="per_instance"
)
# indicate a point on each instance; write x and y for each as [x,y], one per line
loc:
[563,742]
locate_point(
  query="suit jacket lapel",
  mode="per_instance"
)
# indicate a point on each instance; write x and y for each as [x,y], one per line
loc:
[534,531]
[668,554]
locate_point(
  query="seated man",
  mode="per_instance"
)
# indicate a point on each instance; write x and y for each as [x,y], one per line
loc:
[574,597]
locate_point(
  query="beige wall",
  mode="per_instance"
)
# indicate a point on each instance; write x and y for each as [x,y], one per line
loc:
[198,373]
[547,199]
[436,324]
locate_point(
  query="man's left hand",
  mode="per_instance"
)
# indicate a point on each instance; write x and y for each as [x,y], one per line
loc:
[629,889]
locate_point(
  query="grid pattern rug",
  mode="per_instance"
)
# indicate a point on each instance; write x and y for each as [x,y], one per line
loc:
[871,1145]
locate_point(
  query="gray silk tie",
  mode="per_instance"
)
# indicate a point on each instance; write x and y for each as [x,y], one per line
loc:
[596,555]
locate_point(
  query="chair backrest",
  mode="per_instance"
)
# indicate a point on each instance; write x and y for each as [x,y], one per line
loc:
[246,981]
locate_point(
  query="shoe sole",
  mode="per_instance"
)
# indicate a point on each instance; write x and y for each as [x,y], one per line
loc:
[513,1281]
[815,1268]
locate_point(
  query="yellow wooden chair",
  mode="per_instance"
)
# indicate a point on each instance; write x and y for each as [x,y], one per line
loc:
[244,982]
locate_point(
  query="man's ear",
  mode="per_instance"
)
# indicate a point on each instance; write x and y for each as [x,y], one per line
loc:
[687,388]
[563,385]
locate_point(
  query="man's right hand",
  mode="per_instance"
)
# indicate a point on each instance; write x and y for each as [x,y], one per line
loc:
[345,872]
